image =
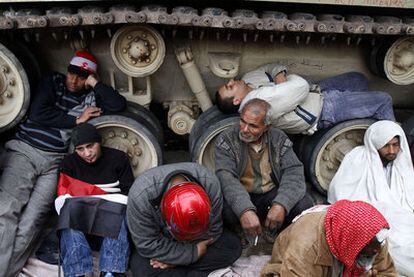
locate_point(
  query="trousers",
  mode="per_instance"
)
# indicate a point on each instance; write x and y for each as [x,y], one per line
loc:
[27,191]
[346,97]
[77,254]
[222,253]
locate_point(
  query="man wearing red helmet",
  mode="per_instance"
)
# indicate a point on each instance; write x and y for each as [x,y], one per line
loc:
[32,157]
[174,218]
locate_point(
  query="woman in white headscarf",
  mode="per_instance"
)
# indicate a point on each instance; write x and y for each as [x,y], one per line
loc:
[361,176]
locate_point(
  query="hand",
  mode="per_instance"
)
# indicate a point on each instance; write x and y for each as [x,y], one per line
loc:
[275,217]
[250,223]
[88,113]
[202,247]
[157,264]
[91,81]
[372,273]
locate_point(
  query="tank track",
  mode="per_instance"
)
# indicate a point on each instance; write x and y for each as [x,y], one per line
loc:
[209,17]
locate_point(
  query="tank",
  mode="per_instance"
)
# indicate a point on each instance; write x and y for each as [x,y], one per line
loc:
[168,58]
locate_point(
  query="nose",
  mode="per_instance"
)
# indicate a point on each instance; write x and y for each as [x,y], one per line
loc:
[393,150]
[87,152]
[73,79]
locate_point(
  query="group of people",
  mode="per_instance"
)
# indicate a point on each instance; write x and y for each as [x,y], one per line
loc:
[184,220]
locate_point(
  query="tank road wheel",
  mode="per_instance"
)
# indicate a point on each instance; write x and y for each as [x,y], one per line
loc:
[145,117]
[132,137]
[14,90]
[204,134]
[399,61]
[137,50]
[323,152]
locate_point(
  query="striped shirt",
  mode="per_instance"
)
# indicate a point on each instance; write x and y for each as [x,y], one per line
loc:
[49,123]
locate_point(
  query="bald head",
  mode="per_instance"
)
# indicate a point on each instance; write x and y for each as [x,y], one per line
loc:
[254,121]
[258,107]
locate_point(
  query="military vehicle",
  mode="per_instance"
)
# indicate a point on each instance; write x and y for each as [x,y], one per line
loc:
[168,58]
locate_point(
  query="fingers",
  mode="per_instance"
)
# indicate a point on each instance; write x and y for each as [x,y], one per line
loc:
[254,230]
[157,264]
[91,81]
[93,111]
[267,222]
[209,241]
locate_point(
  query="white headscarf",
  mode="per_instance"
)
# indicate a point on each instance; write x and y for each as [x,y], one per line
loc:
[361,175]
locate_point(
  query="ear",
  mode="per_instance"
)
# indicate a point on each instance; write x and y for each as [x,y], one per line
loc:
[236,101]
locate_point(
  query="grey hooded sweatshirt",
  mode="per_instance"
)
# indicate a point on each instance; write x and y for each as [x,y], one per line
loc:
[148,230]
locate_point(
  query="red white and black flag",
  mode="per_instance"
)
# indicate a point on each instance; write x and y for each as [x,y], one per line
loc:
[96,209]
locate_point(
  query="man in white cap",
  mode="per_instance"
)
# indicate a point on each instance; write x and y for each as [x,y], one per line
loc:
[32,157]
[381,172]
[297,107]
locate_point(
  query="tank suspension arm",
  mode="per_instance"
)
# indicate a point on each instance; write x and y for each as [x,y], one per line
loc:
[192,74]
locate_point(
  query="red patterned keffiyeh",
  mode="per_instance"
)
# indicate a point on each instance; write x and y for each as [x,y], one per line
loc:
[349,227]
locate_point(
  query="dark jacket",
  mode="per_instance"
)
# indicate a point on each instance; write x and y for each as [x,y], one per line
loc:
[148,230]
[287,171]
[49,119]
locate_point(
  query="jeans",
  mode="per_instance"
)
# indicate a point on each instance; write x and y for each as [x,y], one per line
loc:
[27,191]
[222,253]
[77,254]
[346,97]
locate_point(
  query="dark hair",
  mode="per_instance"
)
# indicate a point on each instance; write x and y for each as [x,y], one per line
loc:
[226,105]
[78,71]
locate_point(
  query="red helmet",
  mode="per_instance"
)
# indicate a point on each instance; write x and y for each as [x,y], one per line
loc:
[186,210]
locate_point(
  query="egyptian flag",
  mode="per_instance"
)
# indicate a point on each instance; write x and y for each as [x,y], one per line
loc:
[91,208]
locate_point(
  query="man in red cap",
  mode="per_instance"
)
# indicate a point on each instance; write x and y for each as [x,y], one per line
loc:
[345,239]
[174,218]
[32,157]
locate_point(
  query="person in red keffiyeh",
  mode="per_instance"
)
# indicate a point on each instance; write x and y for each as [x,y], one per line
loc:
[346,239]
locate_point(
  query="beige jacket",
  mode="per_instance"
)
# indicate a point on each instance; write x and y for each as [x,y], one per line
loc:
[302,250]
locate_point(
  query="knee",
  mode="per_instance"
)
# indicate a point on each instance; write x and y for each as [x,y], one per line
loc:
[233,244]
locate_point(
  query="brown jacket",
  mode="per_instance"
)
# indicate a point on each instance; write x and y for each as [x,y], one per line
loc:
[302,250]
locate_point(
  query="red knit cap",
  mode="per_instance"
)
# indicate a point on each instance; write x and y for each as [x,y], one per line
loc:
[85,61]
[349,227]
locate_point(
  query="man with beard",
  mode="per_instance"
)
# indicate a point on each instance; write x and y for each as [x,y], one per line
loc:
[381,172]
[261,177]
[32,157]
[348,238]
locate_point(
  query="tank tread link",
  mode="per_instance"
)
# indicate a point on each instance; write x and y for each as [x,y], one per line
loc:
[242,19]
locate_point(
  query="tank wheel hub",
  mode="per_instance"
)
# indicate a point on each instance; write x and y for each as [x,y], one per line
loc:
[399,62]
[14,86]
[334,150]
[128,141]
[138,51]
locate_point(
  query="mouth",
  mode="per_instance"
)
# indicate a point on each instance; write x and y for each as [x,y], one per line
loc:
[71,88]
[90,160]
